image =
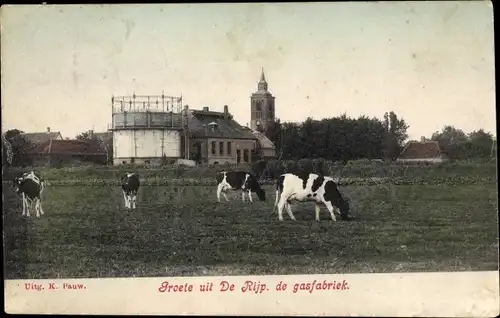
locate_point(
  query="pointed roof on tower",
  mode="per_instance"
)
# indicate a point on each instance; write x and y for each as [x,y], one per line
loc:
[262,86]
[262,76]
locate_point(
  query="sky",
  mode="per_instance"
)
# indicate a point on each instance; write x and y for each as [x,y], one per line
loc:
[432,63]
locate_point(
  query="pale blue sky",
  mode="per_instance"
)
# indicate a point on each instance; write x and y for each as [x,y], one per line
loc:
[430,62]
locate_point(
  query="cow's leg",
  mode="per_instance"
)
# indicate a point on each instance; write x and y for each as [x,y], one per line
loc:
[329,206]
[317,207]
[37,208]
[219,191]
[281,205]
[225,196]
[28,206]
[276,200]
[134,201]
[129,199]
[126,199]
[31,206]
[23,197]
[250,196]
[243,195]
[289,210]
[40,206]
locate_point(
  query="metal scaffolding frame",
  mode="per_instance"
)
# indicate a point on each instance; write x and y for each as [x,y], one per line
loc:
[146,103]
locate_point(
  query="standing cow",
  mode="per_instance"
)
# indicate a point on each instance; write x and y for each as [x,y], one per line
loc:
[309,187]
[30,186]
[239,180]
[130,188]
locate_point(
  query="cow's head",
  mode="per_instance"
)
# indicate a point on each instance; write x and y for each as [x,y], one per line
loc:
[261,194]
[16,183]
[344,207]
[252,183]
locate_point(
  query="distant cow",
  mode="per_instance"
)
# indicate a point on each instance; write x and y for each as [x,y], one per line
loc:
[30,186]
[130,188]
[239,180]
[304,187]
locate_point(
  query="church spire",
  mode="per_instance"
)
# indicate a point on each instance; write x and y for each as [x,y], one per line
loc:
[262,83]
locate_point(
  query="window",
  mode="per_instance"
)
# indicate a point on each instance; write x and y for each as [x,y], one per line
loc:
[213,148]
[245,155]
[221,148]
[228,148]
[258,105]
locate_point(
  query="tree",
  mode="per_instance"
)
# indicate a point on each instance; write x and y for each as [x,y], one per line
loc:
[337,138]
[86,136]
[479,144]
[106,145]
[451,140]
[19,146]
[273,132]
[395,135]
[449,135]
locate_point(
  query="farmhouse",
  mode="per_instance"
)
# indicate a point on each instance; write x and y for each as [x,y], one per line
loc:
[38,138]
[56,153]
[421,151]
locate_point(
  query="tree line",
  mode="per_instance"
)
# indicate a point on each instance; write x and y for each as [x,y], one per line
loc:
[343,138]
[339,138]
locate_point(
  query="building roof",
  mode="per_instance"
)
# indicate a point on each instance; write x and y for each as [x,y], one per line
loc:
[200,120]
[41,137]
[263,140]
[69,147]
[420,150]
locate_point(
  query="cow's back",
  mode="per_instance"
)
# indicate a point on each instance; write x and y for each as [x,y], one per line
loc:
[30,188]
[235,178]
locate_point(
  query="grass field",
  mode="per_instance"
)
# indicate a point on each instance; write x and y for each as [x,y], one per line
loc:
[182,231]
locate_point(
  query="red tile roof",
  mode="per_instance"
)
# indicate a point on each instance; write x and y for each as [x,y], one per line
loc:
[420,150]
[70,147]
[38,138]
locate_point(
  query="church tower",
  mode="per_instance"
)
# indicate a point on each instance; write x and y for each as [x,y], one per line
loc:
[262,106]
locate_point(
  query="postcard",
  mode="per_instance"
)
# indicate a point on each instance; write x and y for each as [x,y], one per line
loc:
[286,159]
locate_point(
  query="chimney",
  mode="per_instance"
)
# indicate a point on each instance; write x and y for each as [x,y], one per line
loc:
[423,139]
[91,133]
[226,111]
[48,129]
[205,108]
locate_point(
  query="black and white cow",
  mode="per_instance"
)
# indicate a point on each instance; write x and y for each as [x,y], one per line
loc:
[130,188]
[239,180]
[309,187]
[30,186]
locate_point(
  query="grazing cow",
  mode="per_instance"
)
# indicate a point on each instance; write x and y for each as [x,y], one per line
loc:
[239,180]
[305,187]
[30,186]
[130,187]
